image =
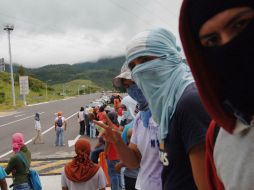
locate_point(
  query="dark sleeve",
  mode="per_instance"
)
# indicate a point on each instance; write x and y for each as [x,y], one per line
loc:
[11,165]
[193,121]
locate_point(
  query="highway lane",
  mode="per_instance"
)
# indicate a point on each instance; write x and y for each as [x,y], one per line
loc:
[23,121]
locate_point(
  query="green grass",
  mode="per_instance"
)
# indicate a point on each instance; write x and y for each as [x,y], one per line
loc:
[71,88]
[37,91]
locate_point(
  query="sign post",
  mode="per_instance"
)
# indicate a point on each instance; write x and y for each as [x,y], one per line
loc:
[2,65]
[24,87]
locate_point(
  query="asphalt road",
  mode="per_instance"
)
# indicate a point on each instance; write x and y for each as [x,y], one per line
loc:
[22,120]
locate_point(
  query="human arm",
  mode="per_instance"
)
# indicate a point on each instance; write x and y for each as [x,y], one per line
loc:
[10,166]
[129,155]
[3,184]
[118,166]
[106,148]
[197,159]
[65,125]
[193,124]
[55,124]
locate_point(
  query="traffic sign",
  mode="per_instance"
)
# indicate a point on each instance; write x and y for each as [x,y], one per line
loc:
[24,85]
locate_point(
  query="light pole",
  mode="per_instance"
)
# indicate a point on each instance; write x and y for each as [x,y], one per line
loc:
[10,28]
[47,88]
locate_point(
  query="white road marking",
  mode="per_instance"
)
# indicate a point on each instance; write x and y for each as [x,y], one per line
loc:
[72,142]
[19,120]
[20,115]
[44,132]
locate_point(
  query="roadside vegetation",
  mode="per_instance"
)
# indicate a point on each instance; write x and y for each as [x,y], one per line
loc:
[38,92]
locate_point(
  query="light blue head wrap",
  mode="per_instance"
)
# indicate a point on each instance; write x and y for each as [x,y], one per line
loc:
[161,80]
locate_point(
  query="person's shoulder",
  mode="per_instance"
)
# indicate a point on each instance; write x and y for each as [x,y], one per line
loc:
[189,99]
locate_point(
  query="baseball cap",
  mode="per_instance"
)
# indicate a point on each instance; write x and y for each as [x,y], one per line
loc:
[125,74]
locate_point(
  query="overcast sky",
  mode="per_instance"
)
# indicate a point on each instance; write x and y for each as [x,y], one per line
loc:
[72,31]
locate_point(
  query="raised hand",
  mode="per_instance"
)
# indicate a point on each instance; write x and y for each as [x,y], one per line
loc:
[111,133]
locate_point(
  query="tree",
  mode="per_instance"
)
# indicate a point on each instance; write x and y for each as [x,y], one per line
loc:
[21,70]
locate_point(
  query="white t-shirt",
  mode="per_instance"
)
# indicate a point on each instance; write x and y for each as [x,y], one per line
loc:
[81,116]
[233,156]
[149,176]
[98,181]
[37,125]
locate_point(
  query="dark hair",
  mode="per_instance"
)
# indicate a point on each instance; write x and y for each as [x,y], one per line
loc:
[82,109]
[113,117]
[101,109]
[37,117]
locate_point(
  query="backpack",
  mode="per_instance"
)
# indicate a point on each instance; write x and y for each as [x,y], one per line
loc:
[33,175]
[59,122]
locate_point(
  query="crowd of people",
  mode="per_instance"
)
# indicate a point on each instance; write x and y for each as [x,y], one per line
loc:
[182,126]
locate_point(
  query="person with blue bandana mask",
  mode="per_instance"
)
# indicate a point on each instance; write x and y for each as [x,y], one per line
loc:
[143,149]
[166,81]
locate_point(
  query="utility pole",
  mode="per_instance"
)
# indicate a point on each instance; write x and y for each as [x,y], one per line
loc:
[47,88]
[10,28]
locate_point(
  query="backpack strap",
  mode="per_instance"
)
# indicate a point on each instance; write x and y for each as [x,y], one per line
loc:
[23,159]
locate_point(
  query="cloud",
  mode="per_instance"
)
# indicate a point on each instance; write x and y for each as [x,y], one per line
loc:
[71,31]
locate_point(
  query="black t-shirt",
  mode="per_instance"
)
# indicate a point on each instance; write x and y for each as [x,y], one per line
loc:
[188,128]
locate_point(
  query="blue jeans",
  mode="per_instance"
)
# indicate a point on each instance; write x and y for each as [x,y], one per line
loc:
[92,131]
[22,186]
[115,178]
[59,136]
[96,152]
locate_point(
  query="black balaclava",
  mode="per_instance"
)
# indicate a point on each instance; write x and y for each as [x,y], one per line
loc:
[232,63]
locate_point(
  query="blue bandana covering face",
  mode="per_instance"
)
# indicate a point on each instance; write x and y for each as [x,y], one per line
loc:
[135,93]
[161,80]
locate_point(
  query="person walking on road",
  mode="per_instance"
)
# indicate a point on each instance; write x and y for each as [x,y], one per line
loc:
[60,127]
[37,125]
[81,120]
[16,166]
[81,173]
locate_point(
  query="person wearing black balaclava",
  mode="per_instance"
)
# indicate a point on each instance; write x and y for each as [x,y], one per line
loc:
[143,149]
[218,41]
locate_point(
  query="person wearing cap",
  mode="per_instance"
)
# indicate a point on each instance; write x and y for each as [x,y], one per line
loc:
[81,173]
[218,41]
[60,127]
[166,81]
[143,149]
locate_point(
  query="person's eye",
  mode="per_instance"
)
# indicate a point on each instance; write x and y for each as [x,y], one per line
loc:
[212,41]
[241,24]
[131,65]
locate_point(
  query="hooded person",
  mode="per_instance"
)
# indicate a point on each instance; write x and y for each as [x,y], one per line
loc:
[143,148]
[160,72]
[16,166]
[218,41]
[81,172]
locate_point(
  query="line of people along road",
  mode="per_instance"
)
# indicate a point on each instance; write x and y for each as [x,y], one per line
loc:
[194,128]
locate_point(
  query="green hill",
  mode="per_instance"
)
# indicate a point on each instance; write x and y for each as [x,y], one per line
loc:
[37,91]
[100,72]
